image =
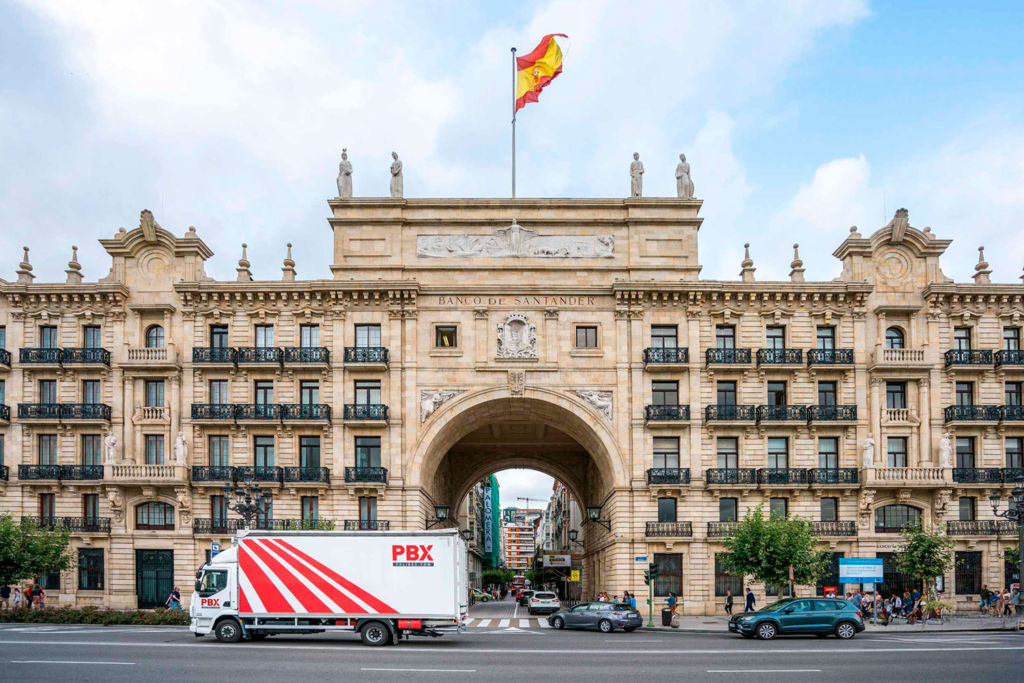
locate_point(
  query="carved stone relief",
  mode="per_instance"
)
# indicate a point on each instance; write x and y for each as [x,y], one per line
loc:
[432,400]
[601,400]
[517,337]
[517,242]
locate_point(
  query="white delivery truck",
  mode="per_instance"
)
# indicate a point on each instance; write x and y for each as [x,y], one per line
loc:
[385,586]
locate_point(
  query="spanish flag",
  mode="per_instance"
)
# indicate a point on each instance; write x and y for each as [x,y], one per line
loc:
[537,69]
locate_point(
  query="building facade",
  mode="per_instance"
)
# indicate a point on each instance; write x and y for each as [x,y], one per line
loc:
[461,337]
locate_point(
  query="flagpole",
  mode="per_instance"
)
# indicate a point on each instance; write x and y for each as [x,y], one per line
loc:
[514,78]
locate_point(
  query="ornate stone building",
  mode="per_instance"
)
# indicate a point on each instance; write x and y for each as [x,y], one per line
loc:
[461,337]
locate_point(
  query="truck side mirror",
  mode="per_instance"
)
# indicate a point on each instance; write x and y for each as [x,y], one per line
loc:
[199,574]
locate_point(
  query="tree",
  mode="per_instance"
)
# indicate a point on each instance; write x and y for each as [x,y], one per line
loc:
[765,548]
[496,577]
[924,555]
[28,550]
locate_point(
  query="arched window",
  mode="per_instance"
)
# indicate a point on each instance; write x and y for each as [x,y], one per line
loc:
[895,518]
[154,516]
[894,338]
[154,337]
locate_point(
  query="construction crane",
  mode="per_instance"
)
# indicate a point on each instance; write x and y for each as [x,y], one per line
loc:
[530,500]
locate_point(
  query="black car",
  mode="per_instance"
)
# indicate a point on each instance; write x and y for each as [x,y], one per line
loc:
[524,598]
[820,616]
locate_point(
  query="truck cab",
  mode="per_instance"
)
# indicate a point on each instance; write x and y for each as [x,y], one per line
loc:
[216,583]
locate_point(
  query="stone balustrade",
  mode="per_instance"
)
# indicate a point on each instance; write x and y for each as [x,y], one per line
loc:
[147,355]
[134,472]
[902,476]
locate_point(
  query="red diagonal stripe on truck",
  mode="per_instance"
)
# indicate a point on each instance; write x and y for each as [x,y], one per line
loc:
[265,589]
[343,601]
[243,602]
[307,598]
[375,604]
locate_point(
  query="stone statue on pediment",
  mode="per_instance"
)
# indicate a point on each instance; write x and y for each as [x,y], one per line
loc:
[397,182]
[684,184]
[636,176]
[344,176]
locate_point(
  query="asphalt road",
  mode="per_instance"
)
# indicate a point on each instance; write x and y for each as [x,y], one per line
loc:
[84,653]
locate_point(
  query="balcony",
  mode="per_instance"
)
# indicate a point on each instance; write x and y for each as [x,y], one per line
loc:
[833,476]
[901,359]
[721,529]
[899,416]
[143,355]
[77,525]
[307,475]
[667,413]
[370,355]
[259,473]
[259,354]
[294,524]
[666,357]
[217,473]
[668,476]
[259,412]
[214,355]
[39,356]
[39,411]
[216,526]
[85,356]
[39,472]
[978,475]
[832,413]
[767,413]
[781,476]
[306,354]
[81,472]
[727,356]
[955,357]
[835,528]
[213,411]
[366,412]
[780,356]
[5,357]
[366,475]
[980,527]
[64,411]
[5,413]
[152,415]
[972,413]
[5,473]
[1011,413]
[1012,474]
[731,476]
[830,357]
[907,476]
[306,411]
[132,473]
[367,525]
[669,529]
[729,413]
[1006,357]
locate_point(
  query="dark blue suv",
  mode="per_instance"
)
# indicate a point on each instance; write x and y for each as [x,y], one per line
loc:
[820,616]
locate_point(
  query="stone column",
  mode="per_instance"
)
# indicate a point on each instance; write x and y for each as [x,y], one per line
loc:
[925,414]
[550,337]
[876,414]
[128,436]
[175,406]
[696,405]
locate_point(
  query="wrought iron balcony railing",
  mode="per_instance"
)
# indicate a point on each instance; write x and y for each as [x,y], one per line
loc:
[1011,413]
[355,475]
[39,356]
[1009,357]
[5,413]
[306,411]
[5,357]
[218,473]
[969,357]
[729,412]
[766,413]
[39,411]
[365,411]
[258,411]
[972,413]
[84,411]
[258,473]
[731,475]
[666,413]
[780,356]
[366,354]
[670,529]
[307,354]
[836,528]
[367,524]
[978,475]
[216,526]
[79,356]
[830,357]
[307,474]
[213,411]
[781,475]
[96,525]
[832,413]
[213,354]
[5,473]
[720,529]
[306,524]
[654,356]
[259,354]
[37,472]
[81,472]
[1011,474]
[833,475]
[727,356]
[668,475]
[980,527]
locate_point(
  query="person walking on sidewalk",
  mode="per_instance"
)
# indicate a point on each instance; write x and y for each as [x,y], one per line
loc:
[749,606]
[5,597]
[728,602]
[983,596]
[671,602]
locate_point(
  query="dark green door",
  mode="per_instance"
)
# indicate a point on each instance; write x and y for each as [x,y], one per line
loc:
[154,577]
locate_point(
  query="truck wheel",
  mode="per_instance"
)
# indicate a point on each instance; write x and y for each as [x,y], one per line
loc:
[228,631]
[375,634]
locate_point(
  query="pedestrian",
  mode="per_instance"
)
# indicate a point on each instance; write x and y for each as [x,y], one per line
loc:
[37,596]
[671,603]
[174,600]
[728,601]
[5,597]
[1015,600]
[632,600]
[16,598]
[749,606]
[984,594]
[858,598]
[1004,602]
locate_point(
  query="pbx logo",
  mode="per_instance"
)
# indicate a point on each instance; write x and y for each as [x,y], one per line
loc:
[209,602]
[411,556]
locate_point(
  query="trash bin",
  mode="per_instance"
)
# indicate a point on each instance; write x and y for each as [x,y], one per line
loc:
[666,617]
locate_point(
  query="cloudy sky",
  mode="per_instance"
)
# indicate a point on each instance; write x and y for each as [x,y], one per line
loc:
[799,118]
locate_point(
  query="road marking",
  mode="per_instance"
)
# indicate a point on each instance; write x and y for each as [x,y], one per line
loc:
[62,661]
[484,623]
[447,671]
[543,623]
[764,671]
[524,623]
[503,623]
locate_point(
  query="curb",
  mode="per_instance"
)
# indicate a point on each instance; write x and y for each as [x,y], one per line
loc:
[928,632]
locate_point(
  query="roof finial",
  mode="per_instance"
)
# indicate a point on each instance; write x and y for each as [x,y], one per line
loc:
[796,273]
[74,270]
[747,266]
[288,272]
[981,270]
[24,271]
[244,274]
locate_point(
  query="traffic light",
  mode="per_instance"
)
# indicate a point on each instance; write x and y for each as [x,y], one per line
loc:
[653,571]
[647,578]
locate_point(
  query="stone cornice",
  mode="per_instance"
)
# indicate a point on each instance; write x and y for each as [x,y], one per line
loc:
[956,299]
[64,296]
[297,294]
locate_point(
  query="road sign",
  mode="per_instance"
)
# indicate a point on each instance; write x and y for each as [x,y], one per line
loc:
[790,572]
[557,560]
[214,549]
[860,570]
[574,575]
[640,558]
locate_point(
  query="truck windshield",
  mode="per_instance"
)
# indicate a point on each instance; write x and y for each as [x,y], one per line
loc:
[213,582]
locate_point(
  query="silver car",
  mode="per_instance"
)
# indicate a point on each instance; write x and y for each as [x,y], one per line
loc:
[604,616]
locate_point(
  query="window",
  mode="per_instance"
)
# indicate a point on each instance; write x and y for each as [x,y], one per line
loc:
[446,336]
[778,507]
[894,518]
[218,511]
[728,509]
[47,507]
[775,336]
[965,393]
[1011,339]
[91,391]
[670,574]
[666,509]
[3,337]
[968,572]
[219,336]
[1,450]
[728,452]
[778,452]
[309,452]
[826,338]
[367,451]
[776,393]
[1014,449]
[263,392]
[91,454]
[965,452]
[47,445]
[91,338]
[310,508]
[894,338]
[154,393]
[725,337]
[309,336]
[1012,391]
[896,450]
[895,395]
[3,391]
[91,507]
[48,391]
[309,392]
[154,337]
[367,392]
[154,449]
[725,393]
[826,393]
[663,337]
[154,516]
[90,569]
[265,514]
[367,512]
[665,393]
[725,580]
[968,509]
[263,450]
[666,452]
[962,338]
[829,509]
[48,336]
[219,392]
[368,336]
[828,452]
[586,336]
[264,336]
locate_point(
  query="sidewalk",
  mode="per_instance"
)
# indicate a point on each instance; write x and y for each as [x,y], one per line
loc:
[719,624]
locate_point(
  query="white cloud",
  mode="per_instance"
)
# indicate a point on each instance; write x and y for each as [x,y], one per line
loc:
[522,483]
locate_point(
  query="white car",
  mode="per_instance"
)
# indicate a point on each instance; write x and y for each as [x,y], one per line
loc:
[544,603]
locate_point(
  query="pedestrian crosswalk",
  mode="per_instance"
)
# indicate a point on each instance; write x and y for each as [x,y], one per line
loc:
[518,622]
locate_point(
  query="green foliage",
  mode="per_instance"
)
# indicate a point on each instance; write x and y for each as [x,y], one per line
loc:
[496,577]
[27,550]
[91,615]
[1010,555]
[764,548]
[925,554]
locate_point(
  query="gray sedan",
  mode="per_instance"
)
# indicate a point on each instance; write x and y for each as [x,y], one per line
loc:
[604,616]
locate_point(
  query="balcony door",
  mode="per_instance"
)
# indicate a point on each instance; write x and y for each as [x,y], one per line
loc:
[309,452]
[367,336]
[309,336]
[48,391]
[91,450]
[91,391]
[367,392]
[220,452]
[367,512]
[665,393]
[367,452]
[263,447]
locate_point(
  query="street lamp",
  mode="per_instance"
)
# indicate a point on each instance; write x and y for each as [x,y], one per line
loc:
[574,535]
[1015,513]
[594,515]
[440,516]
[249,500]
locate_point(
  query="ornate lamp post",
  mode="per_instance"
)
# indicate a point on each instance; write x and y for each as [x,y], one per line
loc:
[440,516]
[594,515]
[249,499]
[574,535]
[1015,513]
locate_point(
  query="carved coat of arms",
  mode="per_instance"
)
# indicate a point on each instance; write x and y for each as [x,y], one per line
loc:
[517,337]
